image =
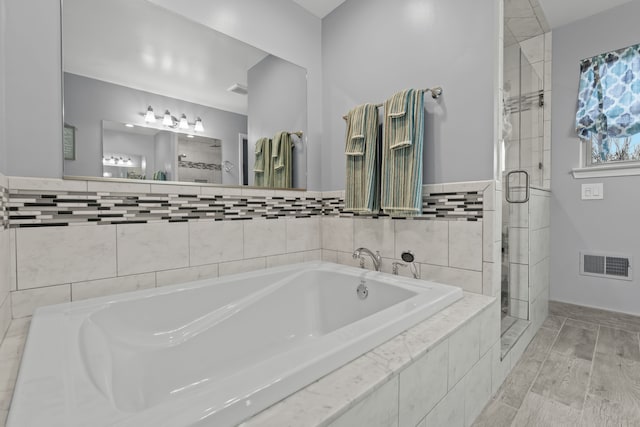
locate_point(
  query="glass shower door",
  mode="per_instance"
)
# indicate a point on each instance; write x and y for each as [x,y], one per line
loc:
[522,168]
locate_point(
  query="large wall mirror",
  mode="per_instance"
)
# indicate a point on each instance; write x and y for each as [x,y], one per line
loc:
[152,95]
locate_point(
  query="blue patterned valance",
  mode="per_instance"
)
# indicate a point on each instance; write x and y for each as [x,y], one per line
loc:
[609,95]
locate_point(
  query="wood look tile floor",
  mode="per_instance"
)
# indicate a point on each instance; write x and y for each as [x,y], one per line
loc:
[582,368]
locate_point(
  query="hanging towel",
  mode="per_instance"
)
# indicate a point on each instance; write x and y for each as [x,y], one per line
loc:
[262,165]
[362,190]
[282,160]
[398,124]
[402,147]
[356,131]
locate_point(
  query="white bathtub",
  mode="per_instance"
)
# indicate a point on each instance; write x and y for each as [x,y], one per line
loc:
[212,352]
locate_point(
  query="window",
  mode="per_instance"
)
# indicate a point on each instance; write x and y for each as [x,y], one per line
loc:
[608,115]
[610,149]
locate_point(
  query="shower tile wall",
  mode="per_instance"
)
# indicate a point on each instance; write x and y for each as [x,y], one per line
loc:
[102,238]
[529,255]
[5,259]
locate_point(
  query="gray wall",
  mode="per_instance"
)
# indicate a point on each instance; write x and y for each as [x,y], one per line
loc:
[33,92]
[374,48]
[89,101]
[284,29]
[3,142]
[609,225]
[277,102]
[167,153]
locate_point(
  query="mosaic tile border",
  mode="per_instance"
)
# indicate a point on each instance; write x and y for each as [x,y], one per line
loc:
[4,213]
[44,208]
[41,208]
[451,206]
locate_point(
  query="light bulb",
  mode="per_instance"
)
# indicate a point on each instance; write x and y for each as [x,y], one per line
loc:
[184,124]
[150,117]
[198,127]
[167,120]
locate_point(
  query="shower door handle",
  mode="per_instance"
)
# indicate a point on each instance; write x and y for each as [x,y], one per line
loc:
[526,184]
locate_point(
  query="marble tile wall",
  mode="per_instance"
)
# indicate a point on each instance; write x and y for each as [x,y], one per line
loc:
[453,353]
[529,254]
[60,264]
[54,263]
[539,224]
[65,247]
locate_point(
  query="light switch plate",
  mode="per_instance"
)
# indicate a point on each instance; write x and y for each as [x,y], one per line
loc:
[593,191]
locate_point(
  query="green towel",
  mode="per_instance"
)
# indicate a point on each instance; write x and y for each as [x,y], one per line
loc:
[356,131]
[362,189]
[402,147]
[262,165]
[398,123]
[282,160]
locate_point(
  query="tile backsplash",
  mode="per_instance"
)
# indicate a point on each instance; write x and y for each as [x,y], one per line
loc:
[436,203]
[4,209]
[63,206]
[60,208]
[73,239]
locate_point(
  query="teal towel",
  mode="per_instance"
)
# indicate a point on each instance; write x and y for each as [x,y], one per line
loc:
[362,189]
[402,148]
[400,128]
[355,142]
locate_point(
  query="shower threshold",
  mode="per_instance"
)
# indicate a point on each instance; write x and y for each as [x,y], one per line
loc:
[511,330]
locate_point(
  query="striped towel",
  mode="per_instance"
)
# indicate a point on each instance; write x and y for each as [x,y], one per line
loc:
[355,131]
[398,124]
[262,165]
[362,190]
[282,160]
[402,147]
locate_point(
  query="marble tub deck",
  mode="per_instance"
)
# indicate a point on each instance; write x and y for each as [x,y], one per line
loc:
[324,401]
[582,368]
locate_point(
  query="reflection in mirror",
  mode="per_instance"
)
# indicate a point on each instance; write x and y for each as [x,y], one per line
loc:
[138,152]
[154,95]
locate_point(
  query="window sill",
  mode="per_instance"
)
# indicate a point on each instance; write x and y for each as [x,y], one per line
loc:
[607,170]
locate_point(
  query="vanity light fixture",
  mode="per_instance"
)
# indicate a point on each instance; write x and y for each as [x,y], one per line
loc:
[167,120]
[150,117]
[198,126]
[184,124]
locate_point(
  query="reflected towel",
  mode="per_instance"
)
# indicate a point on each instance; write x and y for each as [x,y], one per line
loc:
[402,158]
[362,189]
[262,165]
[282,160]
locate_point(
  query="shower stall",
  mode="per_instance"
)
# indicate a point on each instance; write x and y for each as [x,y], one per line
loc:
[525,200]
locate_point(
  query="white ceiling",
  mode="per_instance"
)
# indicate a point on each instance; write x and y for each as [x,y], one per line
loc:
[140,45]
[562,12]
[320,8]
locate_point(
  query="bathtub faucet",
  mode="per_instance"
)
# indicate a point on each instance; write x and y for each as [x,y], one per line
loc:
[375,258]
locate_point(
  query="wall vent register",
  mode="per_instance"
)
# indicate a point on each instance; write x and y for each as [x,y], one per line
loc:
[602,265]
